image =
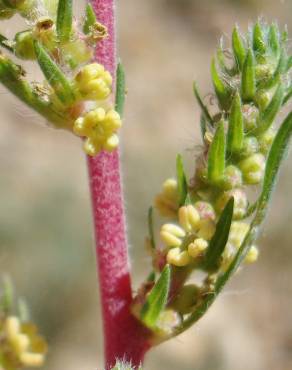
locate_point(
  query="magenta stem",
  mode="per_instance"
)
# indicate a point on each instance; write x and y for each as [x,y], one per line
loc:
[124,337]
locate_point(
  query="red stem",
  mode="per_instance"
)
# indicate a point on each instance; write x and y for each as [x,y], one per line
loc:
[124,337]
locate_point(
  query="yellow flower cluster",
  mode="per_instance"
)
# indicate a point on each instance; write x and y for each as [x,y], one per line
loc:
[167,201]
[188,240]
[22,345]
[93,82]
[99,127]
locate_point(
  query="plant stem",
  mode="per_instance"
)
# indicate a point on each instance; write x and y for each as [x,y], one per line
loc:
[124,337]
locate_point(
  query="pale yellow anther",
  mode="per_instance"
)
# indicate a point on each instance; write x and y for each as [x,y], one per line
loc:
[207,229]
[197,247]
[111,143]
[91,147]
[20,343]
[169,239]
[32,359]
[12,326]
[178,258]
[252,255]
[174,229]
[189,218]
[170,188]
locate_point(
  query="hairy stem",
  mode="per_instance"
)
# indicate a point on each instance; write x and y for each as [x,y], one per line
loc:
[124,337]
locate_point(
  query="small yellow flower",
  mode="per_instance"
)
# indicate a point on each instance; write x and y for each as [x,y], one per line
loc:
[167,201]
[94,82]
[99,126]
[24,343]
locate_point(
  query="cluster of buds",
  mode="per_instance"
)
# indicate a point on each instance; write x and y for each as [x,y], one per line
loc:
[209,213]
[76,93]
[20,344]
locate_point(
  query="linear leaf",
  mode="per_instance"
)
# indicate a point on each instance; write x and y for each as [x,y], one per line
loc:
[150,227]
[238,48]
[216,155]
[181,180]
[55,77]
[248,81]
[258,39]
[157,299]
[203,107]
[222,90]
[120,89]
[64,20]
[268,115]
[90,19]
[220,238]
[235,127]
[274,39]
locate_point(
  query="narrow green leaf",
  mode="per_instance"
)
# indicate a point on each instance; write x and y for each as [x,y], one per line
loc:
[235,134]
[259,44]
[157,299]
[4,42]
[220,238]
[55,77]
[90,19]
[64,19]
[7,296]
[238,48]
[120,90]
[267,117]
[181,180]
[203,107]
[216,155]
[289,64]
[248,81]
[288,95]
[274,39]
[222,90]
[203,126]
[150,227]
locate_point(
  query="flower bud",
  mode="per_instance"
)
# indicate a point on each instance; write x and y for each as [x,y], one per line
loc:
[207,229]
[232,177]
[250,146]
[250,117]
[240,202]
[266,140]
[206,210]
[263,71]
[172,235]
[94,82]
[253,168]
[263,98]
[167,201]
[188,217]
[167,321]
[178,258]
[24,48]
[237,233]
[197,247]
[186,299]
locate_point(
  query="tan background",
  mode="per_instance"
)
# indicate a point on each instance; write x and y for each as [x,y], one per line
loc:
[45,226]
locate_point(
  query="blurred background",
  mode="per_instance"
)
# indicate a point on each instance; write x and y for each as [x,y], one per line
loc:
[46,242]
